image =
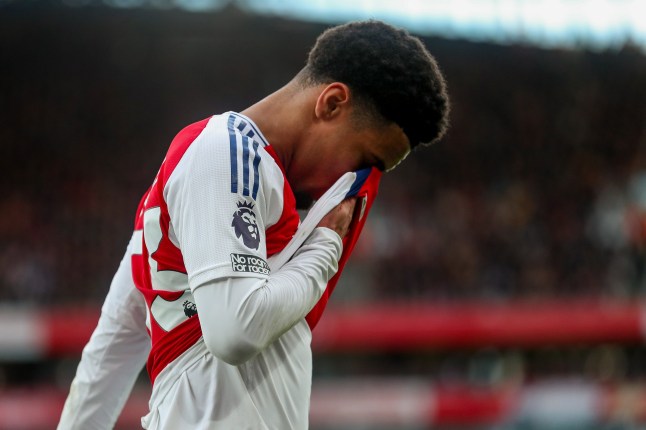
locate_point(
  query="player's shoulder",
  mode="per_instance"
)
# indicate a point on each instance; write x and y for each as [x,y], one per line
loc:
[252,163]
[190,132]
[231,146]
[179,147]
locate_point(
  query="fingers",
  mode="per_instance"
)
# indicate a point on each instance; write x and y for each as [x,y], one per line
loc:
[339,218]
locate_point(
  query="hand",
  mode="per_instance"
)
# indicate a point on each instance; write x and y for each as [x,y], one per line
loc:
[339,218]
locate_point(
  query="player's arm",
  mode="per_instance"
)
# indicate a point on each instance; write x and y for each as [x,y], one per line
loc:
[112,359]
[242,316]
[242,306]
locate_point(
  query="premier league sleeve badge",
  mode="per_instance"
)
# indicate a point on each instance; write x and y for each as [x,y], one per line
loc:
[245,225]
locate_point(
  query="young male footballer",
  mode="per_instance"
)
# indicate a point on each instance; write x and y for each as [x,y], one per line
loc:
[222,285]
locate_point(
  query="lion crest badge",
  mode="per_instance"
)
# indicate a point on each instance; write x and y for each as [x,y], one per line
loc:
[245,226]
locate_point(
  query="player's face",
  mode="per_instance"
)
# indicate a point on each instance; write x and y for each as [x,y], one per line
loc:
[349,148]
[336,140]
[383,147]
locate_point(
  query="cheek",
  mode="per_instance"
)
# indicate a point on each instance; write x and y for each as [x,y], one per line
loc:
[331,167]
[343,163]
[335,171]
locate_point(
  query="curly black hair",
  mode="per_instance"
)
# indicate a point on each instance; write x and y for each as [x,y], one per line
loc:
[388,69]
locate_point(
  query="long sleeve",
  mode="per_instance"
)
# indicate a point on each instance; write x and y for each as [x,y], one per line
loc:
[242,316]
[112,359]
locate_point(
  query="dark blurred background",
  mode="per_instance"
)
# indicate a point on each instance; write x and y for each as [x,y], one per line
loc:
[529,218]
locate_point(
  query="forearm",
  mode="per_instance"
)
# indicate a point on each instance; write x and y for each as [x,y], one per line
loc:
[112,359]
[109,367]
[242,316]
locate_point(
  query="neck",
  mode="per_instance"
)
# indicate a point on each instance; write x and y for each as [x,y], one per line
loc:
[286,118]
[283,118]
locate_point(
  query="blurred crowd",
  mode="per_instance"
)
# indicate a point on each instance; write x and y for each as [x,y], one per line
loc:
[537,192]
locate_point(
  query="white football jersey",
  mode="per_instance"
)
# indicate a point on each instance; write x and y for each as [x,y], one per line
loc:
[218,208]
[231,285]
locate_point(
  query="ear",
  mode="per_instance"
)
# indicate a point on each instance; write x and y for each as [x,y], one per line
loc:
[332,101]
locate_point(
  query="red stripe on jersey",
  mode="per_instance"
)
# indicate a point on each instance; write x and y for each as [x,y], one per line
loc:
[279,234]
[139,219]
[173,345]
[368,191]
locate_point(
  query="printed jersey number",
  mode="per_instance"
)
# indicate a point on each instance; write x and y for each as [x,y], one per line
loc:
[167,280]
[167,313]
